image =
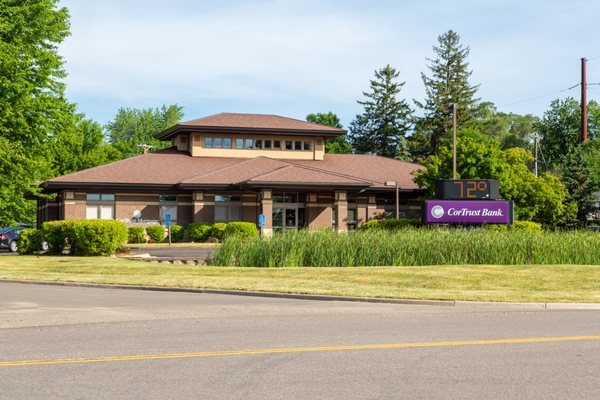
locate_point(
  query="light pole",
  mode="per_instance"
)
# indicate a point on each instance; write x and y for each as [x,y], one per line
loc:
[395,184]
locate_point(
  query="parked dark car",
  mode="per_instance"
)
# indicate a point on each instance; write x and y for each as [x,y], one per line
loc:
[9,236]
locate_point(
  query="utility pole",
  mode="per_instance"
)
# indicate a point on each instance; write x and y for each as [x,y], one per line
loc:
[584,130]
[536,138]
[454,140]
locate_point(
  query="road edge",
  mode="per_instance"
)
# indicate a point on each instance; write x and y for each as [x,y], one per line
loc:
[298,296]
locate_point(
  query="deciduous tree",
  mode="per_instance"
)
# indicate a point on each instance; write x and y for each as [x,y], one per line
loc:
[338,145]
[133,127]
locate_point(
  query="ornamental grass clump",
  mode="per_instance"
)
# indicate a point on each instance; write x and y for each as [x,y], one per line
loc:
[410,246]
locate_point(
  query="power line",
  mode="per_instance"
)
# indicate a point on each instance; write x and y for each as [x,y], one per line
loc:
[539,97]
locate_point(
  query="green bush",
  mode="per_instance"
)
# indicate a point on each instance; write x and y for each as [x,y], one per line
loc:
[243,229]
[527,226]
[99,237]
[199,231]
[30,241]
[389,224]
[136,234]
[85,237]
[156,233]
[55,236]
[217,231]
[176,233]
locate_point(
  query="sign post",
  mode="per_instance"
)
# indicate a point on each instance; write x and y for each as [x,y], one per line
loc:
[168,223]
[261,222]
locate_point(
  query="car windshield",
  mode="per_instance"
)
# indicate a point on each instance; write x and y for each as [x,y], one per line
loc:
[4,230]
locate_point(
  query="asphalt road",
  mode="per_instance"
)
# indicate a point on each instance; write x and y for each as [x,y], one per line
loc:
[87,343]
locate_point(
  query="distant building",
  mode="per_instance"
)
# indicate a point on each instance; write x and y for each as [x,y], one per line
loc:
[234,167]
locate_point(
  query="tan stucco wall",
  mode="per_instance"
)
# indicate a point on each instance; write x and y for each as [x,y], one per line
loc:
[198,150]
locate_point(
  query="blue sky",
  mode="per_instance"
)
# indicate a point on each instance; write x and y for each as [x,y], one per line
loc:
[296,57]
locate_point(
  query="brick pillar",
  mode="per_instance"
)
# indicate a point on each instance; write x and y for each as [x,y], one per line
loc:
[341,211]
[371,208]
[203,208]
[266,208]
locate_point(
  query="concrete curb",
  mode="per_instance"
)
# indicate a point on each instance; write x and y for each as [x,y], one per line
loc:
[479,305]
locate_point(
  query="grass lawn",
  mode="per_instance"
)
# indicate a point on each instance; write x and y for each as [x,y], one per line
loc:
[535,283]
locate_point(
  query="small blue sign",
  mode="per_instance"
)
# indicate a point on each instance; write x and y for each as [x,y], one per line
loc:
[168,220]
[261,220]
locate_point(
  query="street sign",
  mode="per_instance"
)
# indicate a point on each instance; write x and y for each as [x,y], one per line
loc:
[168,220]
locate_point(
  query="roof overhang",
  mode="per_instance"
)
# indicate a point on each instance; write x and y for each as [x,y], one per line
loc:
[177,129]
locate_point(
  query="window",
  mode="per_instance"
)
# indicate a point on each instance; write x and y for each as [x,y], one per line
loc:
[226,143]
[277,144]
[307,145]
[239,143]
[351,222]
[258,144]
[167,206]
[268,144]
[289,145]
[297,145]
[228,208]
[217,142]
[249,144]
[208,143]
[100,206]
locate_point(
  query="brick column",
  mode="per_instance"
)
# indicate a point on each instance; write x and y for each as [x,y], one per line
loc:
[203,208]
[266,208]
[371,208]
[341,211]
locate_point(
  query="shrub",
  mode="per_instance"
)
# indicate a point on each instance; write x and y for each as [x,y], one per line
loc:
[199,231]
[528,226]
[136,234]
[176,233]
[243,229]
[99,237]
[54,234]
[389,224]
[217,231]
[85,237]
[29,241]
[156,233]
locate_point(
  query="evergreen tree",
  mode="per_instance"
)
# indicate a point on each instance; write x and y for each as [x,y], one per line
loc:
[448,84]
[382,127]
[339,145]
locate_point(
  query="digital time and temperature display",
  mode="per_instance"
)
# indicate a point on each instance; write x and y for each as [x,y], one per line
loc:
[468,189]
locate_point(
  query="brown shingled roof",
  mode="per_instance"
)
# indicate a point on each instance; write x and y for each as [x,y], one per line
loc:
[255,123]
[264,121]
[172,168]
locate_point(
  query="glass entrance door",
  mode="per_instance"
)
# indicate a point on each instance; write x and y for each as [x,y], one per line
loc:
[287,217]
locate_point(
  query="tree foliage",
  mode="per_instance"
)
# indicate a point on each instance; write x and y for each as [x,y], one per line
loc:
[32,102]
[339,145]
[382,127]
[510,129]
[447,83]
[541,199]
[133,127]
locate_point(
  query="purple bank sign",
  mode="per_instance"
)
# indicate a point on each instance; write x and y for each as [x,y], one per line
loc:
[468,212]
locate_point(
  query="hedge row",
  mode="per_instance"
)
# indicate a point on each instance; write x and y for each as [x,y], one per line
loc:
[203,232]
[397,224]
[79,237]
[157,233]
